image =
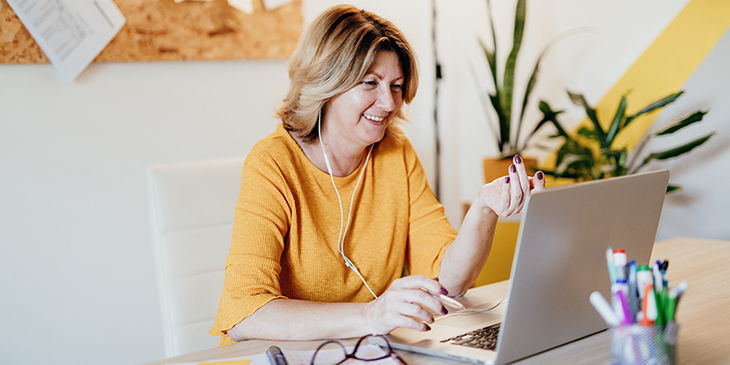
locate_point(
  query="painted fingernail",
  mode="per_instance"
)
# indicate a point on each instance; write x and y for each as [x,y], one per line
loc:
[518,159]
[512,168]
[444,291]
[539,175]
[506,179]
[436,278]
[428,328]
[443,310]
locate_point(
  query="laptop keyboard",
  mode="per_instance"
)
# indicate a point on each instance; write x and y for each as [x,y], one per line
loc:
[483,338]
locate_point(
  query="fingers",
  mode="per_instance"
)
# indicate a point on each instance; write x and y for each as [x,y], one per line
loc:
[521,185]
[522,173]
[538,182]
[407,303]
[515,191]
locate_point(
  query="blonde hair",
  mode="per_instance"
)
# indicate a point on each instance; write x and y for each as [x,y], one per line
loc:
[334,54]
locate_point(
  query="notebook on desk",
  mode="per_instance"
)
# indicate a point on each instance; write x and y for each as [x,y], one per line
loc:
[559,260]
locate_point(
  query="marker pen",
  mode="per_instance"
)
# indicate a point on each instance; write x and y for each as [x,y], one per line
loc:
[633,299]
[604,309]
[671,305]
[619,291]
[627,319]
[658,282]
[609,263]
[619,263]
[651,309]
[643,277]
[665,277]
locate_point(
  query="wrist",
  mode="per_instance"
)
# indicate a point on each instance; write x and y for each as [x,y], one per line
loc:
[484,210]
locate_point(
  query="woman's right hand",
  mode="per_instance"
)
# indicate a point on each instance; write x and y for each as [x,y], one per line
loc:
[405,304]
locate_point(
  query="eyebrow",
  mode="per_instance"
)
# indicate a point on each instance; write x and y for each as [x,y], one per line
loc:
[381,76]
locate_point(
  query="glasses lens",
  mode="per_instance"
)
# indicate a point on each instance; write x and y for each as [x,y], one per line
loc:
[372,348]
[329,353]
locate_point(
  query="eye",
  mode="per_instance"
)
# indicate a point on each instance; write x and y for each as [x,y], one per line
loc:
[370,83]
[397,87]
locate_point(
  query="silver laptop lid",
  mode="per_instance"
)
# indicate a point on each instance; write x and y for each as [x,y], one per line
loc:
[560,257]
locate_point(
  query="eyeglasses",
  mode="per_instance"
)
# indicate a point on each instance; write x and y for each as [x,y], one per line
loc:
[327,354]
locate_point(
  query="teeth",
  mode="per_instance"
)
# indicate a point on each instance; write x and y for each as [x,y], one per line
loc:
[373,118]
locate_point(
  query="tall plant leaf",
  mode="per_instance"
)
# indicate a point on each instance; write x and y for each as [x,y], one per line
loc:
[671,188]
[550,116]
[509,67]
[677,151]
[491,61]
[693,118]
[653,106]
[579,100]
[616,123]
[530,85]
[503,134]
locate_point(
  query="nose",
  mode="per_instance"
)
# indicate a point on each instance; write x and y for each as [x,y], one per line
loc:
[386,101]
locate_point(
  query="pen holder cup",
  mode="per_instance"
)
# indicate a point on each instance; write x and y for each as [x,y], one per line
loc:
[636,344]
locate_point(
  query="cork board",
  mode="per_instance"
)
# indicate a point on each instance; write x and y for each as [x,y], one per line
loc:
[158,30]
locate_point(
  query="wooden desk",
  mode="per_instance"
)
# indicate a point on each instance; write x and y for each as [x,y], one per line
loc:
[703,315]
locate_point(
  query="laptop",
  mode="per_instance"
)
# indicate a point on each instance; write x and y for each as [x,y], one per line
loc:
[560,258]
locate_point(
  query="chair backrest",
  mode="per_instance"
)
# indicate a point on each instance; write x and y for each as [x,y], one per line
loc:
[191,208]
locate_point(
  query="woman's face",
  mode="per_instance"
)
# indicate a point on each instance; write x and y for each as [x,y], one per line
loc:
[361,115]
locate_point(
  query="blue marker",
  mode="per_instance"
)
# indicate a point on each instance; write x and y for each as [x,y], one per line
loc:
[633,298]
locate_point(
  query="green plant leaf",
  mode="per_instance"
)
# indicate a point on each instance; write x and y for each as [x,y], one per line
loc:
[677,151]
[579,100]
[589,133]
[653,106]
[693,118]
[616,123]
[503,135]
[491,60]
[574,161]
[510,65]
[550,116]
[671,188]
[494,40]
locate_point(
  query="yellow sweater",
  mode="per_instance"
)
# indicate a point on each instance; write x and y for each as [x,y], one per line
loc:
[287,221]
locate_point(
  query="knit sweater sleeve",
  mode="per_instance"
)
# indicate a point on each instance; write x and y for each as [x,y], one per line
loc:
[260,225]
[430,232]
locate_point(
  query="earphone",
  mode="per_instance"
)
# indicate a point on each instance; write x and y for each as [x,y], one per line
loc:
[341,237]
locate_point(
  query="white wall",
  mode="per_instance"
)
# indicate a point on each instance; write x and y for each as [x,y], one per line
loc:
[76,269]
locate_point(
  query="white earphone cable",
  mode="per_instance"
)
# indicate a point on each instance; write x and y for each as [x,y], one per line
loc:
[341,236]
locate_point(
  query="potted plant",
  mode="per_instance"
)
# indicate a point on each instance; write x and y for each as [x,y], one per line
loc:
[502,98]
[593,153]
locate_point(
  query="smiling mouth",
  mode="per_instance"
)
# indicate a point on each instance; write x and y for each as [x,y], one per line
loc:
[373,118]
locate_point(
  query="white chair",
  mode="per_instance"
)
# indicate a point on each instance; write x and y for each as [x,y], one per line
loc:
[191,208]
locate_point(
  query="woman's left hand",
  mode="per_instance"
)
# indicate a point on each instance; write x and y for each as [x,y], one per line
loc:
[506,195]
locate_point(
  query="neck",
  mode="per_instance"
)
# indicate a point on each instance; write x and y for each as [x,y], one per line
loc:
[344,161]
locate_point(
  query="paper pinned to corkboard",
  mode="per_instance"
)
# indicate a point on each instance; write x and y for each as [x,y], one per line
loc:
[159,30]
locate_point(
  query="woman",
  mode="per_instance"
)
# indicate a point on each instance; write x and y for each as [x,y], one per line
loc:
[335,202]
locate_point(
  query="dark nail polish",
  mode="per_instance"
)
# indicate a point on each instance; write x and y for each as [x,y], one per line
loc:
[512,168]
[518,159]
[428,328]
[443,310]
[539,175]
[436,278]
[444,291]
[506,179]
